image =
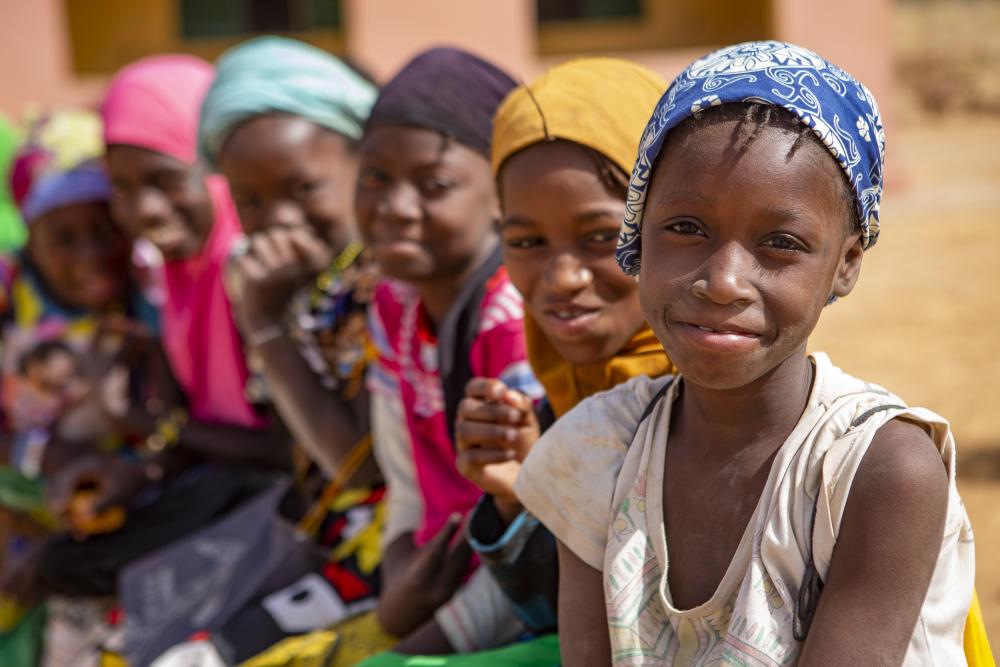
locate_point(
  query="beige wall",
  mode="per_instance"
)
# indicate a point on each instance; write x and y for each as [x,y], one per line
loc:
[35,59]
[36,62]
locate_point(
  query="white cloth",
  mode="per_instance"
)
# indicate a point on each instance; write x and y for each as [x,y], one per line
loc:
[587,481]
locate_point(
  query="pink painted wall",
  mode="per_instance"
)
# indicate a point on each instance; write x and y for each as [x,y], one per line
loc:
[35,59]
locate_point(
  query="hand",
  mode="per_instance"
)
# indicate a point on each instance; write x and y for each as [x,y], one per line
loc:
[427,577]
[278,262]
[494,431]
[83,492]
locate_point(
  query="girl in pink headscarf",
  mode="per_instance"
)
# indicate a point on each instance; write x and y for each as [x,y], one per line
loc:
[161,194]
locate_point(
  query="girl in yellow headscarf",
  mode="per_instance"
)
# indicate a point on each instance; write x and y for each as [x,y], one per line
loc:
[562,150]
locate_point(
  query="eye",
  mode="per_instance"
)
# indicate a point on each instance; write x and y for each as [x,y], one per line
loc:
[784,242]
[685,228]
[524,242]
[436,187]
[602,237]
[372,177]
[305,190]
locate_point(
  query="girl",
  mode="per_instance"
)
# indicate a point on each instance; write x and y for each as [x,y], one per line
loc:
[427,209]
[561,149]
[282,121]
[162,194]
[745,470]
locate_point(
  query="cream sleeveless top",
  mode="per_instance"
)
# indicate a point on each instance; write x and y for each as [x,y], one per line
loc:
[595,480]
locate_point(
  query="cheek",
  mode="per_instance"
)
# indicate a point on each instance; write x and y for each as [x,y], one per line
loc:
[613,286]
[525,274]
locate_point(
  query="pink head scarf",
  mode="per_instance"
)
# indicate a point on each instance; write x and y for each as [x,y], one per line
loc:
[154,104]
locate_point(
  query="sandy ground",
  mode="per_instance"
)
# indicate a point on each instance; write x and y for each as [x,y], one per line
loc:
[924,321]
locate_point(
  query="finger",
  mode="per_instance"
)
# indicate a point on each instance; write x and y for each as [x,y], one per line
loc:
[266,251]
[480,434]
[436,548]
[281,238]
[518,401]
[311,250]
[485,389]
[456,564]
[471,463]
[471,409]
[251,268]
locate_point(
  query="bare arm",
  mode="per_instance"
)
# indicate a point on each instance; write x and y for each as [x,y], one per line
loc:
[326,426]
[885,554]
[583,618]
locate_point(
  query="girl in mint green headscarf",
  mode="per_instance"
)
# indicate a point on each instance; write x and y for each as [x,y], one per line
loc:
[281,122]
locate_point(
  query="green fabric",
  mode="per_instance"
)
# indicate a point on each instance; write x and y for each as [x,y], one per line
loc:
[24,495]
[277,75]
[23,644]
[12,231]
[541,652]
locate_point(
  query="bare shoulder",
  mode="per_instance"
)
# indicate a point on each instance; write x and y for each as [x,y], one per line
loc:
[902,461]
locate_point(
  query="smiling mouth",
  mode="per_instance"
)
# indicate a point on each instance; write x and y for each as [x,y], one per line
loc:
[722,332]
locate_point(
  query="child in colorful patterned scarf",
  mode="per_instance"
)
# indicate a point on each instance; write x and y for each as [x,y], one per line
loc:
[809,517]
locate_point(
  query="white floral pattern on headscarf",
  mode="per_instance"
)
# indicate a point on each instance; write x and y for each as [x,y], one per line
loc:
[828,100]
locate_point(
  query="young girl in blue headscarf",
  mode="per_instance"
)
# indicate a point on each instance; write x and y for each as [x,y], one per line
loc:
[762,506]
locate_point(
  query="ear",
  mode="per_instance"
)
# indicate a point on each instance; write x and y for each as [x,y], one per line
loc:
[849,268]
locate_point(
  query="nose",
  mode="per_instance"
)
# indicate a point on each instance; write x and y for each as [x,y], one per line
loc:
[726,276]
[566,275]
[283,214]
[401,202]
[151,206]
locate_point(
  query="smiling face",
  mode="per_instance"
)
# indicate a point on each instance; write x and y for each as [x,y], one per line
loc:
[285,171]
[558,235]
[161,199]
[426,205]
[81,255]
[741,248]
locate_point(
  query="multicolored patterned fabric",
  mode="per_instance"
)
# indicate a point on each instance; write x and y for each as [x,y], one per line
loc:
[407,368]
[828,100]
[280,75]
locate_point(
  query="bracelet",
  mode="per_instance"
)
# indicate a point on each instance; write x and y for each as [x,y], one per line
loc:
[168,431]
[265,335]
[29,450]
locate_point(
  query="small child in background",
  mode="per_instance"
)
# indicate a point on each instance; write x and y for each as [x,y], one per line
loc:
[762,506]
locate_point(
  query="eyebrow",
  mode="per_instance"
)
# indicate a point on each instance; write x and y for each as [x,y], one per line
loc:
[681,196]
[585,217]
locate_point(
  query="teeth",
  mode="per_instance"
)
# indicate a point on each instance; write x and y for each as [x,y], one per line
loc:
[706,329]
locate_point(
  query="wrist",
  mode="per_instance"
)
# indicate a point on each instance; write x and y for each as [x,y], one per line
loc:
[507,507]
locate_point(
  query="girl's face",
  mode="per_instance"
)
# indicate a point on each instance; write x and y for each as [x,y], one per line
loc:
[81,255]
[161,199]
[285,171]
[741,248]
[426,205]
[558,235]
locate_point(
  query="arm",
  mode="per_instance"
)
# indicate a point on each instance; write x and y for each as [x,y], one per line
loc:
[885,553]
[583,621]
[323,423]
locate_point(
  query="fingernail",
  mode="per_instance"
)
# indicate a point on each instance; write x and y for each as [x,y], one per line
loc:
[513,415]
[510,435]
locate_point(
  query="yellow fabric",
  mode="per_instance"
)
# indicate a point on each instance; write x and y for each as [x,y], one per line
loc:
[977,644]
[343,645]
[601,103]
[567,384]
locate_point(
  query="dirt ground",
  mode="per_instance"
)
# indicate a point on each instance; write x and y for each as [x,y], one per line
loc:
[924,320]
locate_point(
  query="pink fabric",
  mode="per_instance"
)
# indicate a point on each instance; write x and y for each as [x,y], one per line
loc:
[199,335]
[408,365]
[155,103]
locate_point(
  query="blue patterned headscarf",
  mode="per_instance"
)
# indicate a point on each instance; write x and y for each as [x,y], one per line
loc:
[828,100]
[280,75]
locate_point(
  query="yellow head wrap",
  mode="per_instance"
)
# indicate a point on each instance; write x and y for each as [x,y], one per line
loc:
[603,104]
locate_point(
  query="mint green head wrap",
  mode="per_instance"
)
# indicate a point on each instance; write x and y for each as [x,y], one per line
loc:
[277,75]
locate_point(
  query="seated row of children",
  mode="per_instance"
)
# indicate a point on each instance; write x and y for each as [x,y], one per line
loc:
[530,360]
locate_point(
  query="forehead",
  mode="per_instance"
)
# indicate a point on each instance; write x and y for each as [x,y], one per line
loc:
[274,136]
[550,167]
[408,147]
[127,161]
[72,217]
[718,162]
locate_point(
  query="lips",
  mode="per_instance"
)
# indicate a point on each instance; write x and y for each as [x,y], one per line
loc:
[721,337]
[570,320]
